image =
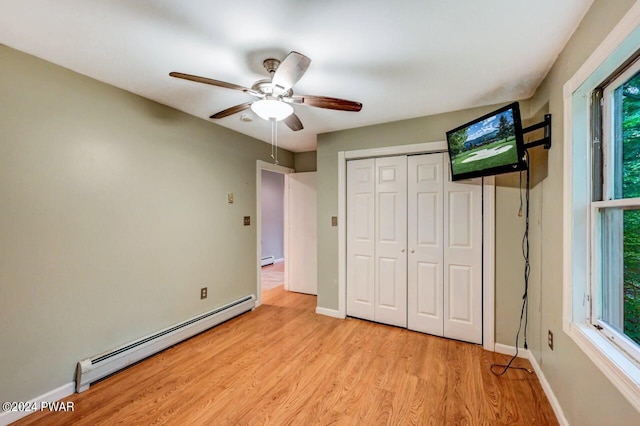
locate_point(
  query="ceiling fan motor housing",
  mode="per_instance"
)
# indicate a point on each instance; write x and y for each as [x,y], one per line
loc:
[271,65]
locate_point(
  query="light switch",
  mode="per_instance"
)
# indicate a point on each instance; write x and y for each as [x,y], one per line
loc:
[334,220]
[230,198]
[247,220]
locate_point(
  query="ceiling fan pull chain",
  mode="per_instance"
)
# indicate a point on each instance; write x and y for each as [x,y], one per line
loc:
[275,132]
[272,152]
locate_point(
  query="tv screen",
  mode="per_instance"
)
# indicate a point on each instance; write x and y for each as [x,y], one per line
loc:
[489,145]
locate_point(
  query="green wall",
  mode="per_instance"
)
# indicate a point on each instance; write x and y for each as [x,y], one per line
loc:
[305,161]
[113,214]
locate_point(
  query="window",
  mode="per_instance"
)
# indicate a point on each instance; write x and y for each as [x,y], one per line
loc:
[615,286]
[601,207]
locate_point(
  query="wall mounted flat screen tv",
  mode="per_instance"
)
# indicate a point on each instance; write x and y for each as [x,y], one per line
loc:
[489,145]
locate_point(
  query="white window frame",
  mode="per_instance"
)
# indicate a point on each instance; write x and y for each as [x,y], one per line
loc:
[579,213]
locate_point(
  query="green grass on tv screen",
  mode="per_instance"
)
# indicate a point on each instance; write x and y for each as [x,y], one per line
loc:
[487,156]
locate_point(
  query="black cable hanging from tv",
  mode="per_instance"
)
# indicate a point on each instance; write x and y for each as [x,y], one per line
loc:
[524,311]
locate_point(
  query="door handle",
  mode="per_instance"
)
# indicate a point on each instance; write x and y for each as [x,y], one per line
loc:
[412,251]
[402,251]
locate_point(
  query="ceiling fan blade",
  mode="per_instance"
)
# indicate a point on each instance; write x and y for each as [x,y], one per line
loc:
[290,70]
[227,112]
[328,103]
[210,81]
[293,122]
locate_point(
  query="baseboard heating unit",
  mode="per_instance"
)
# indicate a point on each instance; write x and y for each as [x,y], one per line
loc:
[268,260]
[102,365]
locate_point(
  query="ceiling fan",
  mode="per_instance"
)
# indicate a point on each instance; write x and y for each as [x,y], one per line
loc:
[275,95]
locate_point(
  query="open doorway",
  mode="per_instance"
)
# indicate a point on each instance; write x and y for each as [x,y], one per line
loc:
[272,260]
[272,227]
[295,194]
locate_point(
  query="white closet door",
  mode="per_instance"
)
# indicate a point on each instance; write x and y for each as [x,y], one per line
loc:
[360,238]
[390,282]
[425,232]
[463,260]
[302,261]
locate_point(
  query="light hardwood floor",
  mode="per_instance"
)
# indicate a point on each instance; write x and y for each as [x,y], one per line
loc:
[272,275]
[282,364]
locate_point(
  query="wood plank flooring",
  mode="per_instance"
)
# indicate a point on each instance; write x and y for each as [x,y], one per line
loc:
[282,364]
[272,275]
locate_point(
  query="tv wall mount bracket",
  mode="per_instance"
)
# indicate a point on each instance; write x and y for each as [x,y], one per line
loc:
[546,140]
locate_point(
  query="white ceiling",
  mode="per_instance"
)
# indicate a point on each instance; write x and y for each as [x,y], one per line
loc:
[400,59]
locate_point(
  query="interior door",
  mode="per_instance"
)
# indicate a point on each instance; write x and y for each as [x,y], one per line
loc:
[463,259]
[302,260]
[425,233]
[390,276]
[360,238]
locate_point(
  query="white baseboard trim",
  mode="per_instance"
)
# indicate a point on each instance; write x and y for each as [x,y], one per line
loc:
[546,387]
[555,404]
[7,417]
[511,350]
[328,312]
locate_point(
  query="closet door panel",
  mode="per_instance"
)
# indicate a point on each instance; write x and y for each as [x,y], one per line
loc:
[425,243]
[390,281]
[360,238]
[463,260]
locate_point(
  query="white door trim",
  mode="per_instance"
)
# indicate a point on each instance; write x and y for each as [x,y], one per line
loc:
[488,240]
[488,262]
[260,166]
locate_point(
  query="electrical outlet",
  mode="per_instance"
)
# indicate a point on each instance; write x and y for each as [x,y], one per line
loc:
[247,220]
[203,293]
[550,339]
[230,198]
[334,220]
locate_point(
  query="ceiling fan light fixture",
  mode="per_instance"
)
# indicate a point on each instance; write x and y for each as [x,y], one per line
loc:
[271,109]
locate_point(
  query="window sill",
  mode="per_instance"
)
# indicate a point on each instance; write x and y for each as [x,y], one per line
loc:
[614,364]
